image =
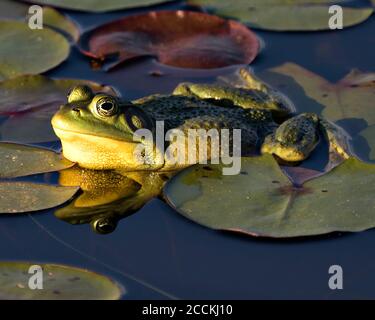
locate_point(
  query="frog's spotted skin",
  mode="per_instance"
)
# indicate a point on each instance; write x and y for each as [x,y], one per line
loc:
[97,131]
[244,98]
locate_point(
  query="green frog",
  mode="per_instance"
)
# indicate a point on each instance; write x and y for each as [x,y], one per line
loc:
[99,131]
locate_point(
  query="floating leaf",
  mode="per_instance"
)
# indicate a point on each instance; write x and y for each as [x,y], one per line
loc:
[31,101]
[60,282]
[177,38]
[54,19]
[51,18]
[27,51]
[98,5]
[18,197]
[17,160]
[284,15]
[262,202]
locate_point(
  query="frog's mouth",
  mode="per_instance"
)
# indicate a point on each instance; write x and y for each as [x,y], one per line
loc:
[104,153]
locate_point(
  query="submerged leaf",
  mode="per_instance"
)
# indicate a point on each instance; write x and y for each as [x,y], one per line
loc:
[262,201]
[284,15]
[10,9]
[19,197]
[60,282]
[27,51]
[98,5]
[177,38]
[31,101]
[17,160]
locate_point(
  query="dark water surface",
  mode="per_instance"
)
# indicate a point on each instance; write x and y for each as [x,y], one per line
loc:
[156,253]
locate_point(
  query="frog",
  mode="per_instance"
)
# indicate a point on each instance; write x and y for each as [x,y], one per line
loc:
[99,131]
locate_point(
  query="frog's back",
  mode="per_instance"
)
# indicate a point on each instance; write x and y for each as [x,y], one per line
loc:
[184,113]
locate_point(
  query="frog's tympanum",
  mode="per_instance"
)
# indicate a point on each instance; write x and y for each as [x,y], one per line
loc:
[97,131]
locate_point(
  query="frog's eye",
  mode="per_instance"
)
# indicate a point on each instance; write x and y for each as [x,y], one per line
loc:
[106,107]
[80,93]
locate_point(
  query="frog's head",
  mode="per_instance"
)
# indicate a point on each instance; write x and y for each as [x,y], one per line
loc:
[97,131]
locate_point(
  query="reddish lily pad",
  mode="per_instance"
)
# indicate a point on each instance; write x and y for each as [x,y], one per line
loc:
[30,101]
[177,38]
[97,5]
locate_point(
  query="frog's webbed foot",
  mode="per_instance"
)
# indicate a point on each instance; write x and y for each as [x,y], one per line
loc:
[338,140]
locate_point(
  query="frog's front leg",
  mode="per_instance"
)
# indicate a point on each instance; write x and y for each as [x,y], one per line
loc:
[337,138]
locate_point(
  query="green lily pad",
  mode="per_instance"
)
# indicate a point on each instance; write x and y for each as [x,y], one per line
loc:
[51,17]
[98,5]
[284,15]
[262,202]
[27,51]
[60,282]
[31,101]
[18,197]
[18,160]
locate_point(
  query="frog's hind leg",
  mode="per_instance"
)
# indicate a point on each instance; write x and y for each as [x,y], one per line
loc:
[255,95]
[338,140]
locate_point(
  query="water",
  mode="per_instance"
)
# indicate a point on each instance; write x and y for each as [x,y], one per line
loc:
[156,253]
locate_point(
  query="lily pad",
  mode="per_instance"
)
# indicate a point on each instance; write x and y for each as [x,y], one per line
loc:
[51,17]
[178,38]
[60,282]
[262,202]
[30,101]
[98,5]
[284,15]
[18,160]
[19,197]
[27,51]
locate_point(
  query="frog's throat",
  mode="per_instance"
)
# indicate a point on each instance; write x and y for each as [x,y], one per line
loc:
[103,153]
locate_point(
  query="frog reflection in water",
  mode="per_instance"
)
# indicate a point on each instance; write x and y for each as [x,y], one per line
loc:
[97,132]
[108,196]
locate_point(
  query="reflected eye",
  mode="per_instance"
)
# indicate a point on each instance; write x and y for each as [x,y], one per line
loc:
[106,107]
